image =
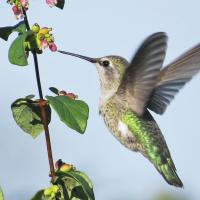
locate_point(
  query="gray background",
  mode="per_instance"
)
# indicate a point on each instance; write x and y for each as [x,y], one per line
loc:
[98,28]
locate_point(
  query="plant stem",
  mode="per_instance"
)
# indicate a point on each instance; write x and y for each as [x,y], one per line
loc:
[42,105]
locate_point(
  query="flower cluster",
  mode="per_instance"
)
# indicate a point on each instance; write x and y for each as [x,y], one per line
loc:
[17,6]
[44,38]
[51,3]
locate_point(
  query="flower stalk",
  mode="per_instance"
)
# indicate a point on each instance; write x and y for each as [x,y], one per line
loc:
[42,104]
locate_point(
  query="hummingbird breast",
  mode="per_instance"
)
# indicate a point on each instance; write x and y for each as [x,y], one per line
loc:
[141,133]
[112,112]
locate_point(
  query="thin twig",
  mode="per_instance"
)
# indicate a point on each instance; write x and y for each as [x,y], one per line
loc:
[42,105]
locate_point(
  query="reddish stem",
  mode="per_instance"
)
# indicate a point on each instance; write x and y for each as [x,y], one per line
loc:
[42,104]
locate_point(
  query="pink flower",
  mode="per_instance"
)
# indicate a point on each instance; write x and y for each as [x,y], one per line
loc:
[17,12]
[53,47]
[51,3]
[24,3]
[44,44]
[17,6]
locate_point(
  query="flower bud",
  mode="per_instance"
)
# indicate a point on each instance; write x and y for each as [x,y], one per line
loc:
[24,3]
[35,28]
[52,195]
[45,30]
[15,9]
[72,95]
[53,47]
[55,188]
[62,93]
[51,3]
[44,43]
[66,168]
[47,192]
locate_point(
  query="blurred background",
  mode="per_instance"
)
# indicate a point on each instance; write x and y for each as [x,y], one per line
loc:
[99,28]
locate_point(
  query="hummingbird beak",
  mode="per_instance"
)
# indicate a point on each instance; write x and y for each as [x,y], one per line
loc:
[92,60]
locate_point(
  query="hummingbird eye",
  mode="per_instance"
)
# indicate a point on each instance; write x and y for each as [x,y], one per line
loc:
[105,63]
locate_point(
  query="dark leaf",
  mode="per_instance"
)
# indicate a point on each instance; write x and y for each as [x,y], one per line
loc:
[6,31]
[60,4]
[54,90]
[78,192]
[17,54]
[26,113]
[74,113]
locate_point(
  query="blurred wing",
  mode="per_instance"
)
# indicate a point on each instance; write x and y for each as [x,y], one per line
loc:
[141,75]
[172,78]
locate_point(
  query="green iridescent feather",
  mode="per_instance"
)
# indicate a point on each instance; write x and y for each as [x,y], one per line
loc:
[152,146]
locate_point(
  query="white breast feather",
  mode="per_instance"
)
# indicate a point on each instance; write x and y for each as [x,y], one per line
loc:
[123,128]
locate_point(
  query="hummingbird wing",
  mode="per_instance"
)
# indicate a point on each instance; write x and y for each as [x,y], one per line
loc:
[172,78]
[141,75]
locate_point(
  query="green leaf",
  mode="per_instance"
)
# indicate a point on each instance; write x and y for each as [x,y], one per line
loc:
[78,185]
[85,182]
[66,188]
[54,90]
[31,96]
[74,113]
[1,194]
[78,193]
[39,195]
[17,54]
[60,4]
[6,31]
[26,113]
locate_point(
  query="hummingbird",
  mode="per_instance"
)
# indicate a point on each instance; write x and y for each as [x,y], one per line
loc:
[130,90]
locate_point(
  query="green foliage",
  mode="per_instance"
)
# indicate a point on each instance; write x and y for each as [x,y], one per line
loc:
[39,196]
[31,96]
[6,31]
[60,4]
[82,189]
[1,194]
[54,90]
[168,197]
[17,54]
[74,113]
[71,185]
[26,113]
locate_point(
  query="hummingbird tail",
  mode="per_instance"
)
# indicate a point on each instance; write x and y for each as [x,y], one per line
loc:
[168,171]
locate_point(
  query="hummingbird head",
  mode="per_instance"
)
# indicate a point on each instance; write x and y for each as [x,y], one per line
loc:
[111,70]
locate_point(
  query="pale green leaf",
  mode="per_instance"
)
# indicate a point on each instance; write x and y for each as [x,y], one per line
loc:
[74,113]
[17,54]
[26,113]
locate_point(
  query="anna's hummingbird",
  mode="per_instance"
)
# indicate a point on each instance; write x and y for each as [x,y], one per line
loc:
[128,90]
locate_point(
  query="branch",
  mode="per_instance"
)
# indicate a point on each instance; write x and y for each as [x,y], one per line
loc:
[42,104]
